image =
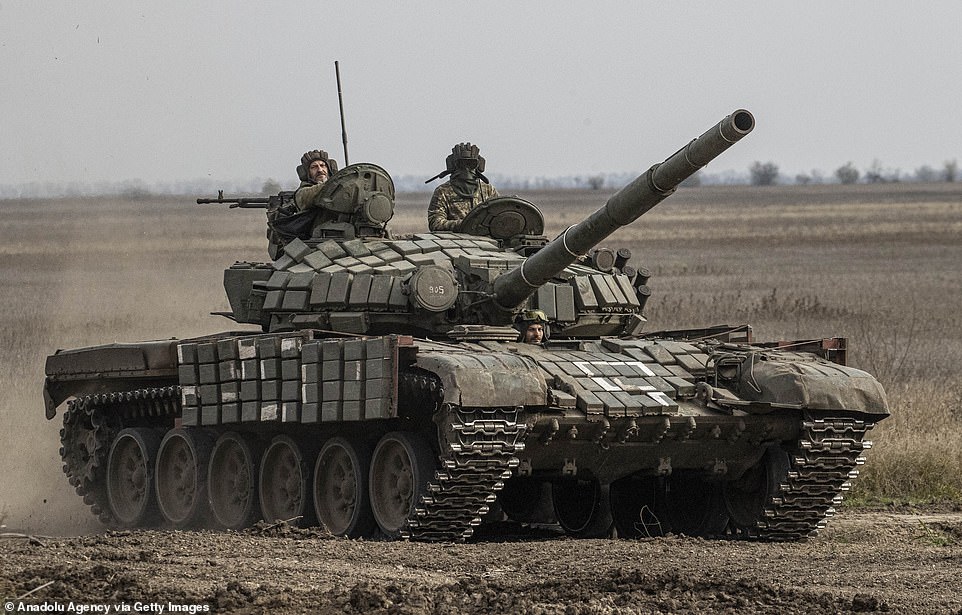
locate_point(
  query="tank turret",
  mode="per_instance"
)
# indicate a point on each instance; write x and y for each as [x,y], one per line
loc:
[350,276]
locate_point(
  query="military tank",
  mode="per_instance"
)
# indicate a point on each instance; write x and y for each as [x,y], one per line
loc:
[387,392]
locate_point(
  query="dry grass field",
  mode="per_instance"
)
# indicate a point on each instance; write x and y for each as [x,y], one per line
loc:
[878,264]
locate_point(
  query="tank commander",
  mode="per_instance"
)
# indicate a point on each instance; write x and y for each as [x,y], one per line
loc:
[532,326]
[467,188]
[315,169]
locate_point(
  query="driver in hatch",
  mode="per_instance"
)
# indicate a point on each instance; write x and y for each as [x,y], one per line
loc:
[532,326]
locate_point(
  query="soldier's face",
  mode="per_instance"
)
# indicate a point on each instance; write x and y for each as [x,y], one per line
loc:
[317,172]
[534,334]
[466,168]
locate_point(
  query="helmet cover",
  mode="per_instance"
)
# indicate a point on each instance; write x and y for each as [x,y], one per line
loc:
[465,155]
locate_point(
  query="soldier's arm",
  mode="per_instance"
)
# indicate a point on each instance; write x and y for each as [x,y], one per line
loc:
[438,214]
[307,196]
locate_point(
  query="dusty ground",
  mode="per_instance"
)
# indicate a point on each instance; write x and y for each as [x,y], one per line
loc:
[863,562]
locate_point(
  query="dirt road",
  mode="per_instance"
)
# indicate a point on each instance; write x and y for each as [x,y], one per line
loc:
[863,562]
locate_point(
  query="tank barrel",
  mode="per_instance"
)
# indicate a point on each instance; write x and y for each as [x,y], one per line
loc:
[623,208]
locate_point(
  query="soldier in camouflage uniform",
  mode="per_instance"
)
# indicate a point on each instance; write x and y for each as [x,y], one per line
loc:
[315,169]
[467,188]
[532,326]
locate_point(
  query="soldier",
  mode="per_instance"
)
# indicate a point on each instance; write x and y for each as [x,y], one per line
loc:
[532,326]
[315,169]
[467,188]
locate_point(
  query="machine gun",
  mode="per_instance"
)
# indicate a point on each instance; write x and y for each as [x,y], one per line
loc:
[250,202]
[284,221]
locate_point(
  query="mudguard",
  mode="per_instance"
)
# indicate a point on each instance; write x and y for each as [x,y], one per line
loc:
[487,380]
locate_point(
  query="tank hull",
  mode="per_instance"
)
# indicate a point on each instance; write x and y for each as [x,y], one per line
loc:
[473,417]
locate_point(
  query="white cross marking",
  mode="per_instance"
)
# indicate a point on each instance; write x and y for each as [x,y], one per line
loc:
[661,398]
[632,387]
[584,366]
[606,385]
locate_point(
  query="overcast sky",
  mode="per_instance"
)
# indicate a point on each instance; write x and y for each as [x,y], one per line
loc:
[166,91]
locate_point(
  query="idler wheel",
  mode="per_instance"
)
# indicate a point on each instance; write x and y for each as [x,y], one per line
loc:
[86,438]
[82,449]
[582,508]
[130,477]
[341,498]
[232,481]
[747,496]
[284,483]
[401,467]
[181,475]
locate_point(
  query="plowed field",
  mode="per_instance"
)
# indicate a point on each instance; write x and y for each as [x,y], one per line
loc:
[863,562]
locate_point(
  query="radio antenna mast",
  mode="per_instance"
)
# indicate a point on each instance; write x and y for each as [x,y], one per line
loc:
[340,104]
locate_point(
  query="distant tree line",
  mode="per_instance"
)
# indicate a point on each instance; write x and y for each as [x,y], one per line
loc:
[759,174]
[767,174]
[139,189]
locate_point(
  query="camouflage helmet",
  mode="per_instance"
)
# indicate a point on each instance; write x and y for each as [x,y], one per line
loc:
[311,156]
[464,154]
[529,317]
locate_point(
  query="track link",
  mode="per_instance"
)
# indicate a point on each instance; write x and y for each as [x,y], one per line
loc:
[822,467]
[478,451]
[90,424]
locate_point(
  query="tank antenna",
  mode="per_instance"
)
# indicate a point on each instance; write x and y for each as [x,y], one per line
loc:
[340,104]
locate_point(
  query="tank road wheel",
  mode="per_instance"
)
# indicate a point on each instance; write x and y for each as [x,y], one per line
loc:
[401,467]
[341,498]
[582,508]
[232,481]
[181,477]
[746,497]
[638,507]
[284,483]
[130,477]
[694,506]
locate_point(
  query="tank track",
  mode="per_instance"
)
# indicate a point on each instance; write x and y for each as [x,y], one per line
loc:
[479,456]
[90,424]
[478,453]
[821,469]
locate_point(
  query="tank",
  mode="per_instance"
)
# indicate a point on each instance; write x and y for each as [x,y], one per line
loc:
[387,391]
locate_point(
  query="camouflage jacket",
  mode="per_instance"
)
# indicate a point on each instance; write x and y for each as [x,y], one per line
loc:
[306,195]
[447,208]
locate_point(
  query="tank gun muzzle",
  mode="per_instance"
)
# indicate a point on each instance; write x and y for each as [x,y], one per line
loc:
[512,289]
